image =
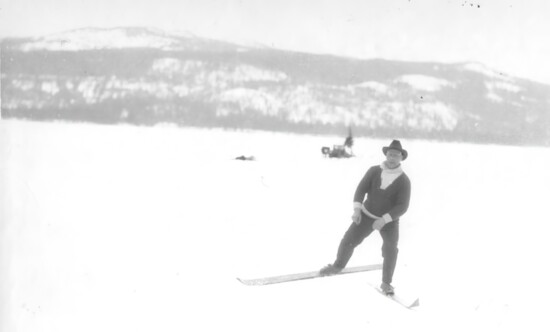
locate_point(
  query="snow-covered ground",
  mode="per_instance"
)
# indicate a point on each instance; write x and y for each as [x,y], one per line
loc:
[119,228]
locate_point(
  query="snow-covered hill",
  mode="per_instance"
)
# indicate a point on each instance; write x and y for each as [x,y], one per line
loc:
[115,38]
[119,228]
[147,76]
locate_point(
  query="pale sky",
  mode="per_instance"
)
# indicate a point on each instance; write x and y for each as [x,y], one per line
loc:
[507,35]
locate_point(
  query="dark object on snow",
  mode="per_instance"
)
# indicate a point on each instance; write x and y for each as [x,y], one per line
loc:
[349,141]
[245,158]
[340,151]
[337,151]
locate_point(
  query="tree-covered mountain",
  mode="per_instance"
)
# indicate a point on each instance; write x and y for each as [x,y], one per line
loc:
[146,76]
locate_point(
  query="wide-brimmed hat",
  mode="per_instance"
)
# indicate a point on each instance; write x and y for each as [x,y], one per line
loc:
[396,145]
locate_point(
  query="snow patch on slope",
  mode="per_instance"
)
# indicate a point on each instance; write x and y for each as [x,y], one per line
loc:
[50,87]
[377,87]
[95,39]
[482,69]
[428,117]
[495,88]
[246,73]
[304,104]
[219,77]
[503,86]
[423,82]
[248,99]
[172,66]
[24,84]
[491,95]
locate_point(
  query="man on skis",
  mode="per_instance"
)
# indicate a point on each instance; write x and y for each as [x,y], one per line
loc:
[387,189]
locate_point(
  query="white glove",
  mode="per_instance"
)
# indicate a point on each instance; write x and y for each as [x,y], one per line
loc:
[356,217]
[378,224]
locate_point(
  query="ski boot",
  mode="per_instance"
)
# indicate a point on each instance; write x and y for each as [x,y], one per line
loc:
[387,289]
[330,270]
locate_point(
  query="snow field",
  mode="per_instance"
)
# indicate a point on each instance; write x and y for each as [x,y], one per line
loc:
[110,228]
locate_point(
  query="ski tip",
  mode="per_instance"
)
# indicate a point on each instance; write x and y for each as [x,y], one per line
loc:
[416,303]
[249,282]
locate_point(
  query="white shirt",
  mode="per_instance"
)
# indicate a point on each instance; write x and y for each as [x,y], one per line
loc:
[389,175]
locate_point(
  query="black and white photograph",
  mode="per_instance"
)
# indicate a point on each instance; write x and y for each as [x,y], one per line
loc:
[262,165]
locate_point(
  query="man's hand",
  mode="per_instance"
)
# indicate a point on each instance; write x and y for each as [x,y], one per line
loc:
[378,224]
[356,217]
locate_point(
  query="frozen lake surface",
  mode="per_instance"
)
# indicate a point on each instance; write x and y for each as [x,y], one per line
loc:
[120,228]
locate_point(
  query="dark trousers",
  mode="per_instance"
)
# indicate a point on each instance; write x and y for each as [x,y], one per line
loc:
[357,233]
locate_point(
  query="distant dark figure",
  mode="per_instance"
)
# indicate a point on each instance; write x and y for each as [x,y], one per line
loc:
[245,158]
[349,142]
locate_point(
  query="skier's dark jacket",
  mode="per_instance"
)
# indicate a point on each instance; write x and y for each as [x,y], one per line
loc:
[393,200]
